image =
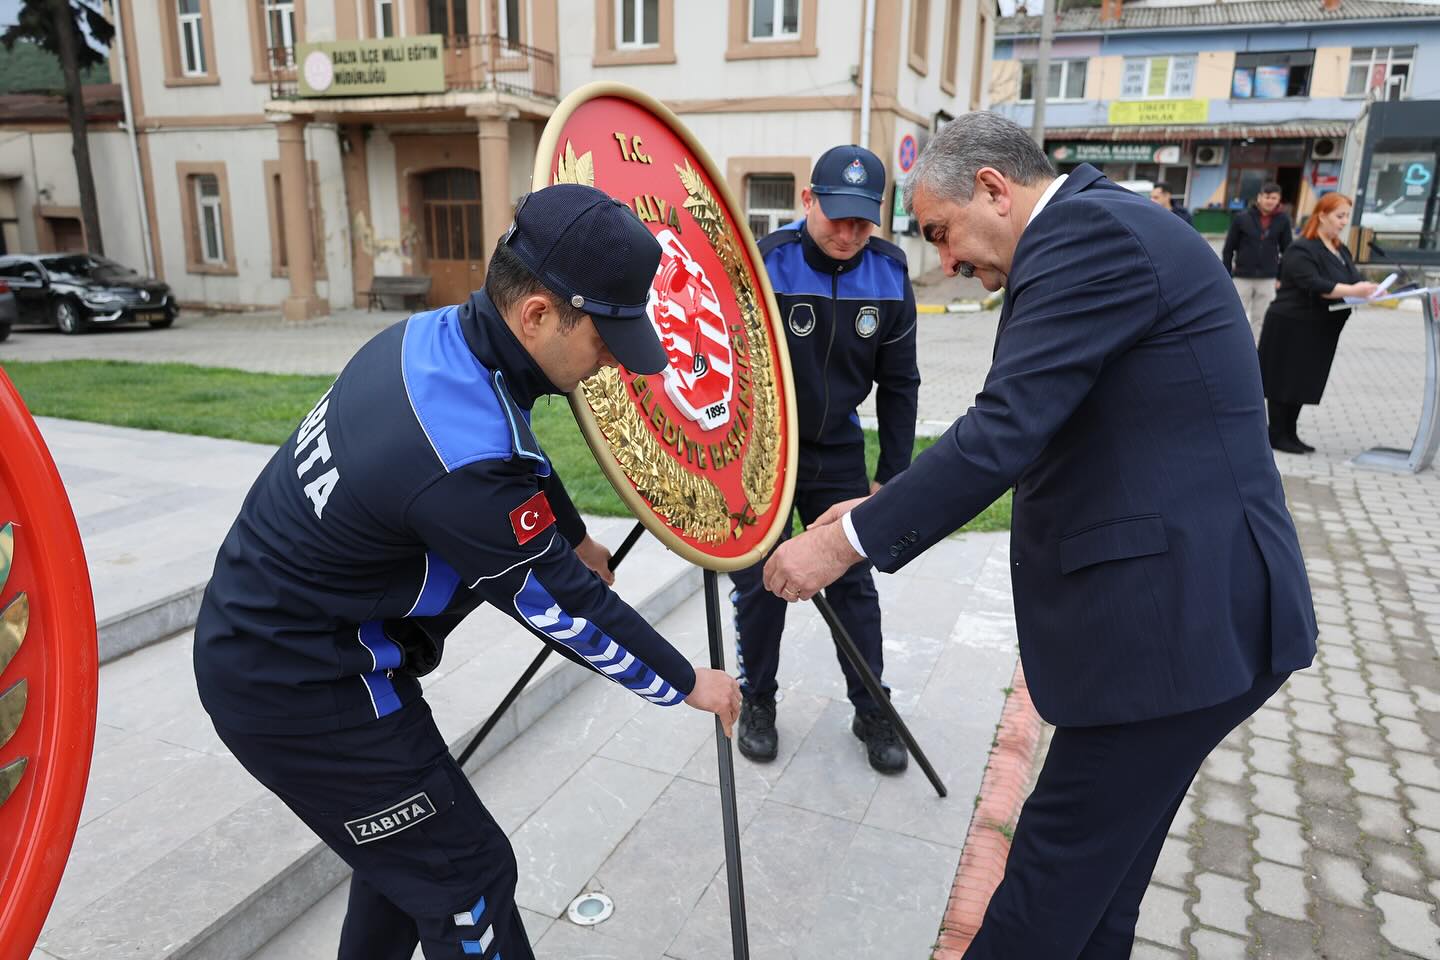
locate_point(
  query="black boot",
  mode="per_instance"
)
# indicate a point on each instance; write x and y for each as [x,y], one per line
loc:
[1282,417]
[757,738]
[882,744]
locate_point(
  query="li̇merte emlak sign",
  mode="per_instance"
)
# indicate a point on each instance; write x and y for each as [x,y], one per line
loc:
[368,68]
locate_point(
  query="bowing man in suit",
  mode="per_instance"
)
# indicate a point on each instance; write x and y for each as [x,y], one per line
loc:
[1160,595]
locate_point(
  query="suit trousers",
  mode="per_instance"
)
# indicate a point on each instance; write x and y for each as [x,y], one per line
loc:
[1256,293]
[1091,832]
[431,865]
[760,615]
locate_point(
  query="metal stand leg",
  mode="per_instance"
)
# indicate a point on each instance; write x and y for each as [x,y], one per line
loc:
[867,676]
[1427,434]
[538,662]
[739,937]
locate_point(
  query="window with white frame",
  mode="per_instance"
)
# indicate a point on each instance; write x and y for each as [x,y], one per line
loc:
[280,31]
[209,217]
[638,24]
[1067,80]
[1374,67]
[770,202]
[774,19]
[192,37]
[1158,78]
[384,18]
[508,20]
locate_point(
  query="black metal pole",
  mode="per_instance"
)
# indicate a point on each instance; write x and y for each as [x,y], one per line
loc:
[877,692]
[739,937]
[538,662]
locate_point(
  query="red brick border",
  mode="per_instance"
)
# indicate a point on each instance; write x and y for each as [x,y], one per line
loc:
[982,863]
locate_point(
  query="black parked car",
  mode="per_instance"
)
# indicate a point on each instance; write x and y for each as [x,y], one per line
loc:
[75,291]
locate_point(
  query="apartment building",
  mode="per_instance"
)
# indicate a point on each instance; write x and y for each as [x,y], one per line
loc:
[263,175]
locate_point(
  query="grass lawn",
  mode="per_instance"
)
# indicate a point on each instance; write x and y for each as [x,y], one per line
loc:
[264,408]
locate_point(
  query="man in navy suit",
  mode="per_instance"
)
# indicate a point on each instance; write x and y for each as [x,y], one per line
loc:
[1160,595]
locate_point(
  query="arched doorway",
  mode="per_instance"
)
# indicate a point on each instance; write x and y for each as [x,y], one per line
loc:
[454,242]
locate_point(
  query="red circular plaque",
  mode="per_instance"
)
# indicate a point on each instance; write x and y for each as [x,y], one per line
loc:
[703,453]
[48,677]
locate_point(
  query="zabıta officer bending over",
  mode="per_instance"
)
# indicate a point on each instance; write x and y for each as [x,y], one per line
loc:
[411,493]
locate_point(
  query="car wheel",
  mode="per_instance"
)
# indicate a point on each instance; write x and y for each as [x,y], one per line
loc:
[68,316]
[166,321]
[4,332]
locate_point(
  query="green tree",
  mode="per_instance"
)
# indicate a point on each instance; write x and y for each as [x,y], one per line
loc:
[61,27]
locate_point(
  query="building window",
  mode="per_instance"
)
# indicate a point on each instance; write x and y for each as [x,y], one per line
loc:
[192,37]
[1158,78]
[1373,68]
[919,34]
[279,18]
[449,17]
[950,48]
[507,21]
[210,219]
[1272,76]
[384,18]
[774,19]
[637,24]
[279,249]
[1067,80]
[769,202]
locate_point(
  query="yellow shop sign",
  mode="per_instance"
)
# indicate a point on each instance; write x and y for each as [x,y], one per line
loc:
[1159,111]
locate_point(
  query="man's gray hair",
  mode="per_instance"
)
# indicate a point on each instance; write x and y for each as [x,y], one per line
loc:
[947,167]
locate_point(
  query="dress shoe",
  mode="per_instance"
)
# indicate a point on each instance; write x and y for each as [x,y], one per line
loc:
[1287,445]
[757,738]
[882,744]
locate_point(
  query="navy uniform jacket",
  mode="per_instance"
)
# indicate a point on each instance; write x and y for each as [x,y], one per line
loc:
[1155,566]
[850,325]
[412,492]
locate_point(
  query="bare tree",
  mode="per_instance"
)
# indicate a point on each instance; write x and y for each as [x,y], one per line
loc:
[61,27]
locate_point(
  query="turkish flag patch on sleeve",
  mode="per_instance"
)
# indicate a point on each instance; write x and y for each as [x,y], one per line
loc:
[531,517]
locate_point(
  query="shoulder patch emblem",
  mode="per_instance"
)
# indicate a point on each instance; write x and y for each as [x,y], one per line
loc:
[867,321]
[530,518]
[801,319]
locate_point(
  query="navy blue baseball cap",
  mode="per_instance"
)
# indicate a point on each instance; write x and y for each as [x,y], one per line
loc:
[592,252]
[849,181]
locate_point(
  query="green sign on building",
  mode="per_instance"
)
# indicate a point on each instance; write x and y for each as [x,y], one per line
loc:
[1106,152]
[367,68]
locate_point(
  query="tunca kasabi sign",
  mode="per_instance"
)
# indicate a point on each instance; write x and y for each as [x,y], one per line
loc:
[703,453]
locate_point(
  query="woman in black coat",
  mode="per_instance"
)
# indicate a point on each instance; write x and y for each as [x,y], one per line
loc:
[1298,340]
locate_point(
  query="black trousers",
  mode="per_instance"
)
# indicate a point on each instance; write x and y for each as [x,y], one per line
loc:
[1091,832]
[431,865]
[760,615]
[1283,417]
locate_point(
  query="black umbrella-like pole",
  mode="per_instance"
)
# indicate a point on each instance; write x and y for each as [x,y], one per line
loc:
[739,936]
[877,693]
[537,663]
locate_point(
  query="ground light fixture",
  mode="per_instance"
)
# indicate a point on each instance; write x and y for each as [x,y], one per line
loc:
[590,908]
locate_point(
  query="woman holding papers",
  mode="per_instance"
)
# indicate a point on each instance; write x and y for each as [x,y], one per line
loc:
[1297,343]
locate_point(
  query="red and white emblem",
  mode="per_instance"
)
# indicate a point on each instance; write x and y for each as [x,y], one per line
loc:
[531,518]
[688,317]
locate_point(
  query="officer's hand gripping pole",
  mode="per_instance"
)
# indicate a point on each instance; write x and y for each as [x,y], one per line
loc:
[538,662]
[739,936]
[877,692]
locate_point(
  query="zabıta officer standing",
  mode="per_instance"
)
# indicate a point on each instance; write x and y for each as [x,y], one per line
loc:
[413,492]
[849,316]
[1160,595]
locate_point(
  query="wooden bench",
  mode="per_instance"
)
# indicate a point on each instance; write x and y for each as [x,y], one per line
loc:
[410,291]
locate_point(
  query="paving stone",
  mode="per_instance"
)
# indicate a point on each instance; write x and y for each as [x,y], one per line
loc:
[1329,829]
[1281,891]
[1408,924]
[1357,710]
[1417,769]
[1149,951]
[1270,756]
[1424,806]
[1227,766]
[1430,843]
[1223,849]
[1222,902]
[1162,915]
[1276,795]
[1392,867]
[1307,685]
[1405,734]
[1213,945]
[1279,839]
[1363,741]
[1224,803]
[1320,750]
[1315,717]
[1270,722]
[1372,777]
[1339,879]
[1323,785]
[1384,819]
[1344,681]
[1185,816]
[1174,866]
[1392,703]
[1348,932]
[1386,677]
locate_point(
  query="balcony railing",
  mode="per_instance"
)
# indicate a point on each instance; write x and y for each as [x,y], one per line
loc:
[472,62]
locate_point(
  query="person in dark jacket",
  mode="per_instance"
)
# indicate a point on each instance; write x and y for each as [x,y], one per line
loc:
[414,491]
[849,315]
[1162,196]
[1297,343]
[1257,239]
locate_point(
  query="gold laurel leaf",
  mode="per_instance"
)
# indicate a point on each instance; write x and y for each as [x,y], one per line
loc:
[572,169]
[12,710]
[10,775]
[7,552]
[14,621]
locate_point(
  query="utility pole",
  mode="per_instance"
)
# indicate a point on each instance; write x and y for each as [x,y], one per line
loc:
[1040,84]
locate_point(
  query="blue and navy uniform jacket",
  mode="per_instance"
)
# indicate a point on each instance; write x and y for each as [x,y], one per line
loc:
[850,325]
[412,492]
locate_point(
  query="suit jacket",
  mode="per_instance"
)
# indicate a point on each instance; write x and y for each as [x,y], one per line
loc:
[1155,566]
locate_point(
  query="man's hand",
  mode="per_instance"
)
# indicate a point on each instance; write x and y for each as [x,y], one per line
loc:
[716,692]
[802,567]
[875,486]
[596,556]
[834,514]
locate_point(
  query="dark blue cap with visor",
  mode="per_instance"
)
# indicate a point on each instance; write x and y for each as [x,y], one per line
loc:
[849,181]
[592,252]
